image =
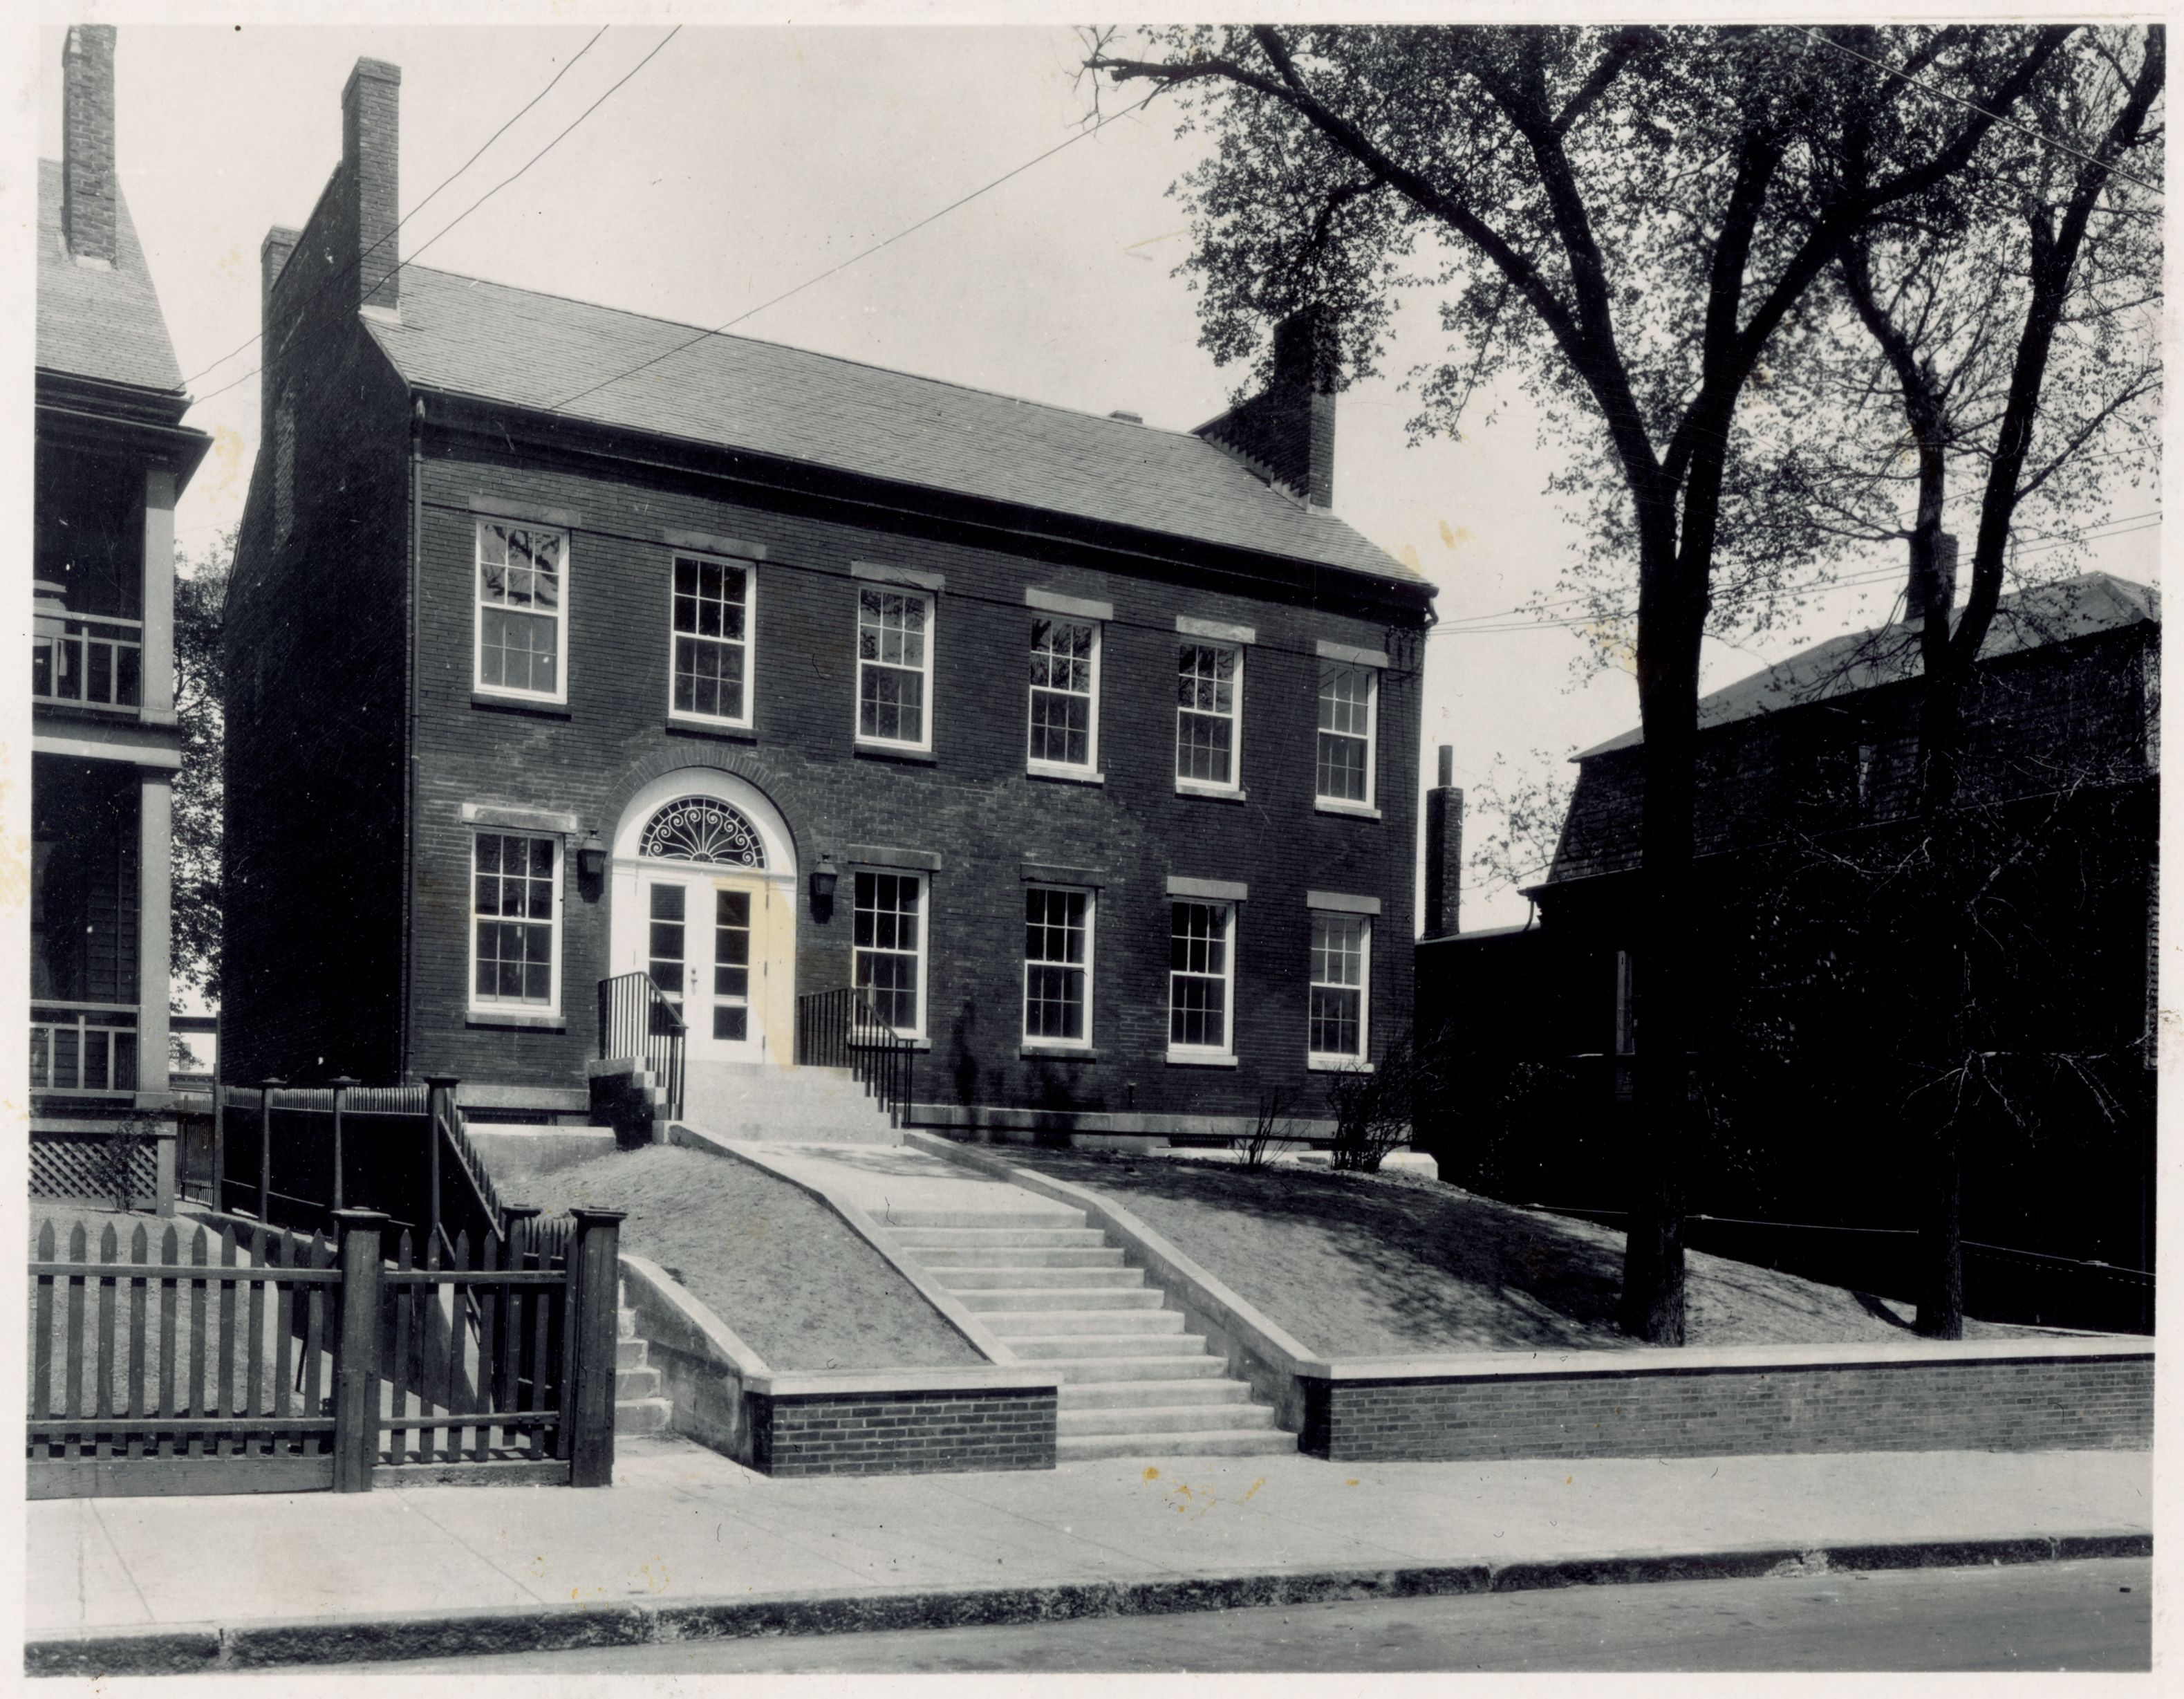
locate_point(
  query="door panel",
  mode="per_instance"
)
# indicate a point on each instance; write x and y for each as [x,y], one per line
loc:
[666,947]
[731,966]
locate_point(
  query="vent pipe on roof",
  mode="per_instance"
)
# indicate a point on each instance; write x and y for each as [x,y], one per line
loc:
[87,184]
[1128,418]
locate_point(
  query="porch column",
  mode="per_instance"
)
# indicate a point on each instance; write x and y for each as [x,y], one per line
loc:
[154,920]
[159,597]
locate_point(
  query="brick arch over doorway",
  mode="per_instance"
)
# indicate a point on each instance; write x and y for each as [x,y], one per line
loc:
[790,798]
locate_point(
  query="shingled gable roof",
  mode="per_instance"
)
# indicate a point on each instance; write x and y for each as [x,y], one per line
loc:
[463,336]
[93,321]
[1889,654]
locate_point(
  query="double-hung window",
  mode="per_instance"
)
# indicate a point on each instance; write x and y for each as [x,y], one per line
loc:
[1341,974]
[895,668]
[516,922]
[887,950]
[1209,708]
[1202,978]
[522,591]
[1057,966]
[1065,695]
[1348,702]
[712,627]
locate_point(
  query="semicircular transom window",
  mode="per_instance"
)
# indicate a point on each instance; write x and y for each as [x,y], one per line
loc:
[702,828]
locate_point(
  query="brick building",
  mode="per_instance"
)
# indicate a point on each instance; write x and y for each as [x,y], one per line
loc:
[111,457]
[1805,786]
[566,643]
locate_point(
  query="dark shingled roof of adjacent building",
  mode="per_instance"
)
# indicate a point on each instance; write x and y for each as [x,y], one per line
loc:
[466,336]
[96,321]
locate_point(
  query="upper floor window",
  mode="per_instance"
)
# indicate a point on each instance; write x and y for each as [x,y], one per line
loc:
[888,955]
[1064,694]
[1057,966]
[895,668]
[516,889]
[522,611]
[1202,974]
[1209,707]
[1348,696]
[712,639]
[1341,962]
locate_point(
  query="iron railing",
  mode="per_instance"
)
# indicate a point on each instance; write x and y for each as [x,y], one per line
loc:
[842,1028]
[97,661]
[87,1049]
[637,1021]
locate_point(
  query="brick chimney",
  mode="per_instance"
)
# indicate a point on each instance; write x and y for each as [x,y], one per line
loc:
[88,185]
[1443,851]
[1287,431]
[371,113]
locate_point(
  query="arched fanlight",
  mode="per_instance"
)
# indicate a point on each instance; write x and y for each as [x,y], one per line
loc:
[702,828]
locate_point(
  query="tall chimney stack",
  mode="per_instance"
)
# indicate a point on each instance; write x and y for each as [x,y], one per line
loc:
[1443,851]
[371,135]
[1287,431]
[87,184]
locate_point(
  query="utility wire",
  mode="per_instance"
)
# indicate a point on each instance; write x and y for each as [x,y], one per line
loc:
[865,253]
[1944,94]
[496,188]
[347,271]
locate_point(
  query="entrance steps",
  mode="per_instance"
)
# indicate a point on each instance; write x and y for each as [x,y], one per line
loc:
[640,1404]
[804,1105]
[1057,1293]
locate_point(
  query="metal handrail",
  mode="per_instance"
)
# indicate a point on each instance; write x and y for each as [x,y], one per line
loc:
[843,1029]
[637,1021]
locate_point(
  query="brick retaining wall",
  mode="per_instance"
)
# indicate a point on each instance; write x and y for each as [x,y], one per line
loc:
[2099,1400]
[902,1433]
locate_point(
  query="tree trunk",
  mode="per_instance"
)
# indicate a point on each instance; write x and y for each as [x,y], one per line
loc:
[1942,1237]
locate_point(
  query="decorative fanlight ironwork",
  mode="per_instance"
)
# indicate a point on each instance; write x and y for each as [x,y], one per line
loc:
[698,828]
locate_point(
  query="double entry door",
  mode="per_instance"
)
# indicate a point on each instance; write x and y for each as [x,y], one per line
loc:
[712,947]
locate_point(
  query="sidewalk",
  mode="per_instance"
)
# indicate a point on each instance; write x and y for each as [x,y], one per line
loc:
[687,1543]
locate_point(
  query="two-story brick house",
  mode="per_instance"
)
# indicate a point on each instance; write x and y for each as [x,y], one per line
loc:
[111,457]
[568,643]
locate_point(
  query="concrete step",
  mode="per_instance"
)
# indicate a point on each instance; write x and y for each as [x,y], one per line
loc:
[957,1239]
[1015,1324]
[1045,1347]
[1103,1370]
[1020,1278]
[629,1353]
[1067,1298]
[948,1260]
[635,1383]
[636,1416]
[1165,1391]
[626,1324]
[1247,1442]
[1163,1418]
[1004,1216]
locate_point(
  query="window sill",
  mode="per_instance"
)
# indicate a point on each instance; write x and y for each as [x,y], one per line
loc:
[1198,1059]
[888,752]
[520,705]
[512,1018]
[1211,793]
[1336,1065]
[691,727]
[1064,775]
[1356,810]
[1057,1053]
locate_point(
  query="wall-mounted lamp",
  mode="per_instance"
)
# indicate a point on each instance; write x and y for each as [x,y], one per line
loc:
[823,879]
[591,856]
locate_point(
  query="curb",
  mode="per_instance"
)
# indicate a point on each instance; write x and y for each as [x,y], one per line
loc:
[160,1650]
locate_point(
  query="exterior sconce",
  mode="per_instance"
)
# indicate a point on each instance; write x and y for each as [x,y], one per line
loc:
[592,856]
[823,880]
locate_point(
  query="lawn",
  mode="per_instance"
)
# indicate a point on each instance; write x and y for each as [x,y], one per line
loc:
[792,1279]
[1392,1265]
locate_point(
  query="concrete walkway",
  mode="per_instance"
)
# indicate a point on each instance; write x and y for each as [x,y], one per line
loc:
[120,1583]
[894,1183]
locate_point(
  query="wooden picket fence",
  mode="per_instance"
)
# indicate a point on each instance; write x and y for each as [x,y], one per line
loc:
[268,1362]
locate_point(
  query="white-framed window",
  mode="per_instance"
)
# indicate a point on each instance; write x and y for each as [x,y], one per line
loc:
[1341,990]
[516,922]
[1065,696]
[895,668]
[1057,966]
[888,946]
[1202,978]
[522,592]
[709,655]
[1348,701]
[1209,708]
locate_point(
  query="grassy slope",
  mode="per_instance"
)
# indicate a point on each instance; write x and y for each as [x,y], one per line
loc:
[792,1279]
[1397,1265]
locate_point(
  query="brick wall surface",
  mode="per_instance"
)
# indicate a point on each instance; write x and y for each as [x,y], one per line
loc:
[903,1433]
[2085,1404]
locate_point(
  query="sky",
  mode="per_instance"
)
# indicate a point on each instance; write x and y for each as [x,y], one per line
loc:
[740,163]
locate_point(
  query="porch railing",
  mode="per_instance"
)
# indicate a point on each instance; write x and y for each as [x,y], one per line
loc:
[636,1019]
[99,662]
[87,1049]
[842,1028]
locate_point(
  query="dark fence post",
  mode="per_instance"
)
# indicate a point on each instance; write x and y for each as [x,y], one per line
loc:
[340,1083]
[218,1134]
[591,1398]
[439,1093]
[356,1351]
[271,1084]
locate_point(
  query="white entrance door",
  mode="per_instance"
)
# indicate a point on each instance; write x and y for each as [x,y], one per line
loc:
[710,944]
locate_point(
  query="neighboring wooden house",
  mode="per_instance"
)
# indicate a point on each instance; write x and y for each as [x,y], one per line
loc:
[112,456]
[1804,768]
[570,646]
